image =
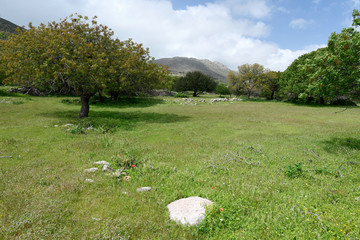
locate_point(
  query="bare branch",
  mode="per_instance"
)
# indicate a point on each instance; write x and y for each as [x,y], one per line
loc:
[6,156]
[316,155]
[342,110]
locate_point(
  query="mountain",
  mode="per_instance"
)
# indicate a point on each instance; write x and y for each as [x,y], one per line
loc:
[182,65]
[7,26]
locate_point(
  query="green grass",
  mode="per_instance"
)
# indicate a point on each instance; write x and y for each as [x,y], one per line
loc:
[274,169]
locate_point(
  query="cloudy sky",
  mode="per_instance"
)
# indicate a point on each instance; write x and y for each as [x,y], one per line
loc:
[233,32]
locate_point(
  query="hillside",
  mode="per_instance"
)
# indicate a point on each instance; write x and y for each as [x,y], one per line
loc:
[7,26]
[182,65]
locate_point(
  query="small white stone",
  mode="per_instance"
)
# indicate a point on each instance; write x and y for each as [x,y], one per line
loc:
[56,125]
[107,168]
[68,125]
[102,163]
[143,189]
[89,180]
[91,170]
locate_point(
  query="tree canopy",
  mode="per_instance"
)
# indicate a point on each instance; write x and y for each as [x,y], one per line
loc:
[78,55]
[247,79]
[195,81]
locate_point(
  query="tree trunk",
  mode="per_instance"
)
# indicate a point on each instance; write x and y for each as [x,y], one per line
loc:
[272,95]
[195,94]
[84,111]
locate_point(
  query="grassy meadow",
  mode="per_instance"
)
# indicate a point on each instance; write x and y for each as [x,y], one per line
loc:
[278,170]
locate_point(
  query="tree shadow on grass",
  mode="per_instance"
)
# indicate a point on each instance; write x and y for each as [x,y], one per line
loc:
[342,144]
[125,102]
[113,121]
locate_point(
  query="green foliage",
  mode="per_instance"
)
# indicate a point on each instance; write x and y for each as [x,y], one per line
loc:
[270,84]
[3,35]
[81,56]
[77,129]
[327,73]
[181,95]
[196,82]
[222,89]
[247,79]
[295,170]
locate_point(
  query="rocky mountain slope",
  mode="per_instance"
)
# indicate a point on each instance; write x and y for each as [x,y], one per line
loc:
[182,65]
[7,26]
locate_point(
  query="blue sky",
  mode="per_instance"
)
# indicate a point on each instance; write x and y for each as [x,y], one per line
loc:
[270,32]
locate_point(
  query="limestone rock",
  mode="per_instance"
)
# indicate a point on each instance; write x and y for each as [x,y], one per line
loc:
[107,168]
[89,180]
[91,170]
[188,210]
[143,189]
[101,163]
[126,178]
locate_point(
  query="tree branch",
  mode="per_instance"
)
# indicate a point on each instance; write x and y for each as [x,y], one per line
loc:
[6,156]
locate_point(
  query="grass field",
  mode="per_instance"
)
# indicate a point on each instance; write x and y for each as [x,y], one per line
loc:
[278,170]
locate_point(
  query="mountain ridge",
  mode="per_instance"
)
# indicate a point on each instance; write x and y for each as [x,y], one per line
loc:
[181,65]
[7,26]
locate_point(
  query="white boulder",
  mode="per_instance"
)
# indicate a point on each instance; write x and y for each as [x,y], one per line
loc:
[188,210]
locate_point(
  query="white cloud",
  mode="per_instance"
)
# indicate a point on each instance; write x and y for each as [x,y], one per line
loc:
[300,23]
[248,8]
[228,31]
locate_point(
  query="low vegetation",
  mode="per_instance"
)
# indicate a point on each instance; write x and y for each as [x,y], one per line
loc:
[274,170]
[281,172]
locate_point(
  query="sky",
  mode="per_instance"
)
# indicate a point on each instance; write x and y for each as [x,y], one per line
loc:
[234,32]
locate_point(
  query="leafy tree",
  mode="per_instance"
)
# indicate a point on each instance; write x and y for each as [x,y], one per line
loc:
[195,81]
[77,55]
[327,73]
[270,83]
[235,86]
[336,72]
[222,89]
[134,71]
[247,78]
[294,81]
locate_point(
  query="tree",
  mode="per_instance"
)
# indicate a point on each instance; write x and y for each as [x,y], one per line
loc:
[327,73]
[247,78]
[77,55]
[222,89]
[195,81]
[270,83]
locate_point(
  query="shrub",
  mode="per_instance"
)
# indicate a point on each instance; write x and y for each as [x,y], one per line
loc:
[181,95]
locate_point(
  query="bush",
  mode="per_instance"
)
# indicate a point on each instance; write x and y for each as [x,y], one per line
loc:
[181,95]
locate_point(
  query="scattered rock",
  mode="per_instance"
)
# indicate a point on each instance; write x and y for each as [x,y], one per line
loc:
[102,163]
[107,168]
[357,199]
[91,170]
[56,126]
[143,189]
[126,178]
[68,125]
[90,128]
[188,210]
[89,180]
